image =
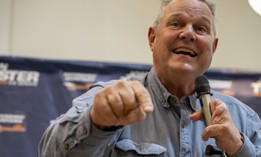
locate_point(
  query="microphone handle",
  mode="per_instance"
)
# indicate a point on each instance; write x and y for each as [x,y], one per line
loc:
[204,101]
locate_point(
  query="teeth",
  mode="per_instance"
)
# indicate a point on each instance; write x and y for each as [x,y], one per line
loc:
[185,51]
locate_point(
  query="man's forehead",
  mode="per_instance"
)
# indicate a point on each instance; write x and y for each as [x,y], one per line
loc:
[189,7]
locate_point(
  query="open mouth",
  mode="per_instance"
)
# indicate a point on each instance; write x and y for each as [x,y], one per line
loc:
[185,51]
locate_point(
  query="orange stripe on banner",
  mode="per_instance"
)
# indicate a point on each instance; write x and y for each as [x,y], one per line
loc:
[14,128]
[228,92]
[257,94]
[78,87]
[3,82]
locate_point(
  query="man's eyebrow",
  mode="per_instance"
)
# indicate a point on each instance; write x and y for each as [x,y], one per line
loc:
[204,17]
[175,15]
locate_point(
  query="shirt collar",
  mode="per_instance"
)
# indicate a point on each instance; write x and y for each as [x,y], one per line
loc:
[163,95]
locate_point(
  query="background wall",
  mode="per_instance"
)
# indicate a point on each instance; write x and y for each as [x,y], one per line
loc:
[115,30]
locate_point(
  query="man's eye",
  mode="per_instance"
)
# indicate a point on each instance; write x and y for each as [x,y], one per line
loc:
[175,24]
[201,29]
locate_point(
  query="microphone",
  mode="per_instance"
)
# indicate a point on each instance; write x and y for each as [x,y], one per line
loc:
[204,96]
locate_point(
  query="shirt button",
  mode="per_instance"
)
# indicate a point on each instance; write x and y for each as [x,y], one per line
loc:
[66,146]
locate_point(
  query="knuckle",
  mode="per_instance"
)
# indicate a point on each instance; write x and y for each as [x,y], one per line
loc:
[136,82]
[121,83]
[99,93]
[207,130]
[226,127]
[112,98]
[109,89]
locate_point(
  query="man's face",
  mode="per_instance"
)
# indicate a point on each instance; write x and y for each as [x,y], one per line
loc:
[184,40]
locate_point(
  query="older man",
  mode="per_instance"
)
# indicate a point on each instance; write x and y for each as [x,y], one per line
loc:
[159,115]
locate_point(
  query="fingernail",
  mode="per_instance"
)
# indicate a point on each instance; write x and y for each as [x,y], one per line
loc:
[148,108]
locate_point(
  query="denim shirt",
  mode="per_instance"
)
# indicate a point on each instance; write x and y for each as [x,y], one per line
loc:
[166,132]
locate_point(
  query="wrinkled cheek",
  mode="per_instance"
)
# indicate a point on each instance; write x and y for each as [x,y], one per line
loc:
[156,57]
[159,53]
[207,62]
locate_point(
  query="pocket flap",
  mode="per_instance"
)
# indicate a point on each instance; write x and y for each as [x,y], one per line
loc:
[140,148]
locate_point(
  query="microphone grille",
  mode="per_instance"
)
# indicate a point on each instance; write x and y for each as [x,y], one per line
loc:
[202,85]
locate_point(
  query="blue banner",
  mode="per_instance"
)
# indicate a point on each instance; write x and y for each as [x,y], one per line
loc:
[33,92]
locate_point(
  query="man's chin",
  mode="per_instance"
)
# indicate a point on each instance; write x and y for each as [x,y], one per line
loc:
[183,67]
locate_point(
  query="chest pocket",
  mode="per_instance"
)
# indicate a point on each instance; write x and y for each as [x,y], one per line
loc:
[128,148]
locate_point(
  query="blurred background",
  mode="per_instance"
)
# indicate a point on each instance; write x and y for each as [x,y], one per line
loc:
[116,31]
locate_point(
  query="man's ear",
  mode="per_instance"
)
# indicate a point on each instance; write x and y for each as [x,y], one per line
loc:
[151,37]
[215,44]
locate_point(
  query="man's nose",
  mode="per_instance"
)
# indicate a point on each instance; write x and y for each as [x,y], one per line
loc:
[187,33]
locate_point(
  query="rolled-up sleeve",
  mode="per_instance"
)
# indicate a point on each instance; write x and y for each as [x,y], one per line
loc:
[252,137]
[74,133]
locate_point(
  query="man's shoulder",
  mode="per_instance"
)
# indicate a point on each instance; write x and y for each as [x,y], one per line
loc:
[225,97]
[234,104]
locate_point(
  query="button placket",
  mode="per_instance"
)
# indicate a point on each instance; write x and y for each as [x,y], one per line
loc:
[185,130]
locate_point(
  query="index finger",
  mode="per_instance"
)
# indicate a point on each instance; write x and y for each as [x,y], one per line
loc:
[143,97]
[198,115]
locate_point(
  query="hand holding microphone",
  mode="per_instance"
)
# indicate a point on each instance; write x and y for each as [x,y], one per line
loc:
[217,118]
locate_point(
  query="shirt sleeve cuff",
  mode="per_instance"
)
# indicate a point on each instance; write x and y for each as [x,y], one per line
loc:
[87,128]
[247,149]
